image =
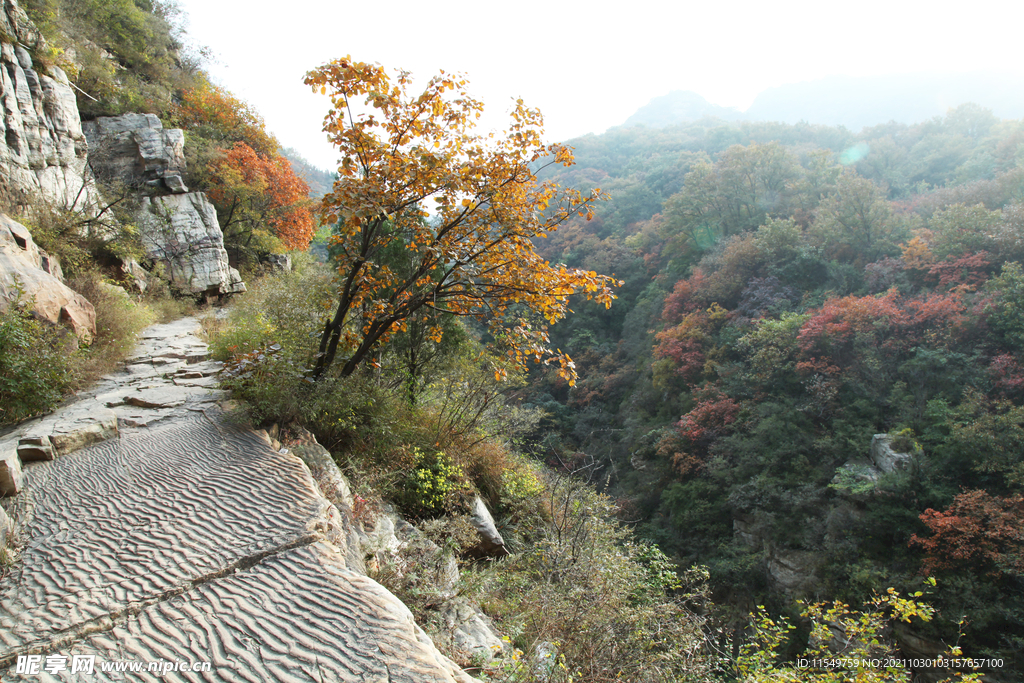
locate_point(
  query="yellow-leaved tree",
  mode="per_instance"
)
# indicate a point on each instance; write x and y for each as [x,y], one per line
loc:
[429,214]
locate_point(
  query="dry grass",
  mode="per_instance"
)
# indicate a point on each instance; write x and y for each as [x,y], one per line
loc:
[119,320]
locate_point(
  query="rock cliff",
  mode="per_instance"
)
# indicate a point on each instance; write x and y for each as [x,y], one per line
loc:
[48,156]
[181,231]
[138,150]
[179,228]
[43,150]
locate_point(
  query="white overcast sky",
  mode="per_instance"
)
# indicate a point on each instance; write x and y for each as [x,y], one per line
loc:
[588,65]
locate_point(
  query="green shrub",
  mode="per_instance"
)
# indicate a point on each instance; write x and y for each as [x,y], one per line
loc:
[162,302]
[79,241]
[285,308]
[432,486]
[903,441]
[37,363]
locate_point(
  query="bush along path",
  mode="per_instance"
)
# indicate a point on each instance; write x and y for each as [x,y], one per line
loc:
[155,540]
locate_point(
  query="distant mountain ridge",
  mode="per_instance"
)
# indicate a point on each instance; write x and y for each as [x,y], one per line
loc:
[680,106]
[854,102]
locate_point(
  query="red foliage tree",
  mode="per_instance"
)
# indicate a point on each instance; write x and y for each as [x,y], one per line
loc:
[967,271]
[712,417]
[682,345]
[683,298]
[832,328]
[978,530]
[1007,375]
[844,329]
[262,192]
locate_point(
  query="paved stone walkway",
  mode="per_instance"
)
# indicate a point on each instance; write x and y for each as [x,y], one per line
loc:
[177,539]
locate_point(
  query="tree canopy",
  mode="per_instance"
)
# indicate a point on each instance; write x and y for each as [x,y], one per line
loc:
[259,196]
[430,214]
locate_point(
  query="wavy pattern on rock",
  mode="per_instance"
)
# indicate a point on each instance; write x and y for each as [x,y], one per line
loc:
[296,616]
[153,511]
[184,538]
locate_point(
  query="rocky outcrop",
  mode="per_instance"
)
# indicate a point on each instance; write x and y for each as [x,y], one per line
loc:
[181,232]
[179,229]
[459,626]
[387,544]
[25,267]
[12,477]
[42,147]
[887,459]
[335,488]
[278,263]
[138,150]
[47,154]
[793,572]
[491,542]
[749,528]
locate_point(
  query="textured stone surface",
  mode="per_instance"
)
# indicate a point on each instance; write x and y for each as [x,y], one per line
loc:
[298,615]
[467,630]
[335,487]
[793,572]
[182,232]
[79,427]
[42,146]
[116,507]
[11,476]
[137,149]
[885,458]
[22,266]
[188,538]
[491,542]
[36,448]
[6,527]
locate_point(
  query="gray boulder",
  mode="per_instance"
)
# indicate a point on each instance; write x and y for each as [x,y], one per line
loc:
[138,150]
[887,459]
[491,542]
[68,430]
[12,479]
[460,627]
[181,231]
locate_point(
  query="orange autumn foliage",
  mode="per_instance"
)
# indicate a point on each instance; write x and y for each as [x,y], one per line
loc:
[427,213]
[263,191]
[236,120]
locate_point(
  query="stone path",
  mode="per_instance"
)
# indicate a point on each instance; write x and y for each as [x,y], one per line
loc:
[176,537]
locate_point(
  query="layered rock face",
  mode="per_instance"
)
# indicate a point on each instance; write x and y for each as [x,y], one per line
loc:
[48,155]
[137,149]
[44,150]
[25,266]
[179,228]
[182,232]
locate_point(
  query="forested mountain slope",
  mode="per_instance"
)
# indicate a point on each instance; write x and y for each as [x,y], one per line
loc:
[790,292]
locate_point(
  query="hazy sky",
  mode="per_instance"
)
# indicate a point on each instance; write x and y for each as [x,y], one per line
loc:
[587,65]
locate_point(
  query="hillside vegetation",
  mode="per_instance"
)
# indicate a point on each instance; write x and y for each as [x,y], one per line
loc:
[787,293]
[790,292]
